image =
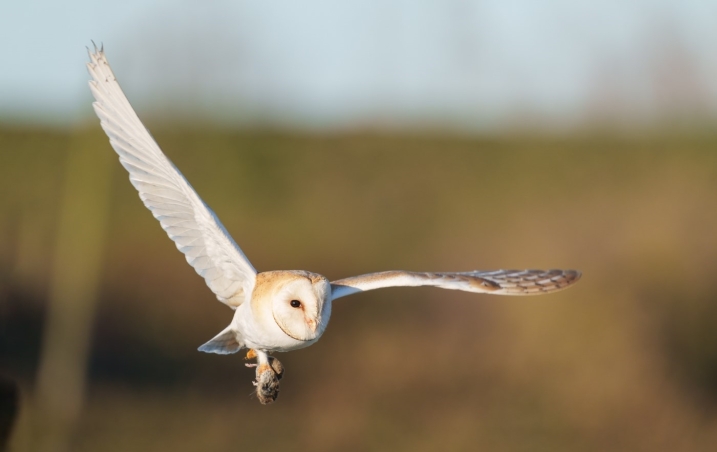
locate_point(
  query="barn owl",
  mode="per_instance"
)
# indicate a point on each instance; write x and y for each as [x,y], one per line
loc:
[274,311]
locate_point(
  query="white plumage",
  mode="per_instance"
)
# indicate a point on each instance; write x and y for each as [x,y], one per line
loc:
[278,310]
[192,225]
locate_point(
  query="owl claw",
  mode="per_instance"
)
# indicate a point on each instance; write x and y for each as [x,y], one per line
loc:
[267,381]
[277,367]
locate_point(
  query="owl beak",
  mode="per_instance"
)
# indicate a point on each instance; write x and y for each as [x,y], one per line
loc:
[312,325]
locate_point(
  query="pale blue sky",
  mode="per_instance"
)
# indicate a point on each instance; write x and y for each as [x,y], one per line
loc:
[366,63]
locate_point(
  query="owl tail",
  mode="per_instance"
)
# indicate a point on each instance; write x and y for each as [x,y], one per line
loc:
[223,343]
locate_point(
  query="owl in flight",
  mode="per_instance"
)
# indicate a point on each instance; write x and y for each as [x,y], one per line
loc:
[274,311]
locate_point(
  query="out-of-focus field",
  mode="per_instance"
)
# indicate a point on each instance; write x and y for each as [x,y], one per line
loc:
[624,361]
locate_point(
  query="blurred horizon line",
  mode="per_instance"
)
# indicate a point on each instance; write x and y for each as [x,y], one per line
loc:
[659,127]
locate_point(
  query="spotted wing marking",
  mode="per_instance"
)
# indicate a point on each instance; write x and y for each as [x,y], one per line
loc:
[499,282]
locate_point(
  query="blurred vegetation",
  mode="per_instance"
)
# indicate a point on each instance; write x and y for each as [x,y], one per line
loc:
[624,361]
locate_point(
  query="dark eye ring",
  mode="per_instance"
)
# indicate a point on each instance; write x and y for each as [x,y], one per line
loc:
[295,304]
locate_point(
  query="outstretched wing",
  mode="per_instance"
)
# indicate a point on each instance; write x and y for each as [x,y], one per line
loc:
[192,225]
[499,282]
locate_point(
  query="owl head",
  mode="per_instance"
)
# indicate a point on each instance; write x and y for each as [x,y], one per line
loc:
[300,302]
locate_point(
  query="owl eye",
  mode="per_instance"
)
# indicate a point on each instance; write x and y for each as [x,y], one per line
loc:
[295,304]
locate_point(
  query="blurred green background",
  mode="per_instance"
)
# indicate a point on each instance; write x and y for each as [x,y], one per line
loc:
[353,137]
[625,360]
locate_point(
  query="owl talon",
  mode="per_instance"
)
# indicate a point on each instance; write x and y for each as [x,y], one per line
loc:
[277,367]
[267,381]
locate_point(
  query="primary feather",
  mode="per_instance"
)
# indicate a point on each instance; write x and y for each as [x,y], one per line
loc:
[188,221]
[499,282]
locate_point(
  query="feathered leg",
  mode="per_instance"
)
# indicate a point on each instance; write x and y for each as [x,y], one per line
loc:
[268,373]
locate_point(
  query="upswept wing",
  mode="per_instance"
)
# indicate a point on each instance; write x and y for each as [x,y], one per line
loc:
[499,282]
[190,223]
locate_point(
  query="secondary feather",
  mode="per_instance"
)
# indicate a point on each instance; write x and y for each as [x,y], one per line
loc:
[188,221]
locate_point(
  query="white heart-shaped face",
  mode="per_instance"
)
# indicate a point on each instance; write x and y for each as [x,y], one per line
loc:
[300,303]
